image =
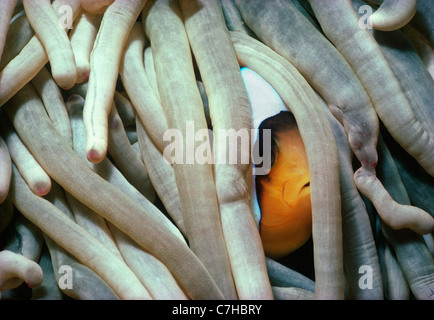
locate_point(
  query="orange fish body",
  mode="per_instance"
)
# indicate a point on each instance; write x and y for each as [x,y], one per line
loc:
[280,200]
[284,198]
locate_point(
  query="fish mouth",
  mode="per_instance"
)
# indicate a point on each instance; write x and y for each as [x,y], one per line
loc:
[296,188]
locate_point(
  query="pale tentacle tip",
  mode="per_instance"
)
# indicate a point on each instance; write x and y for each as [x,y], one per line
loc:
[95,156]
[35,277]
[31,285]
[41,189]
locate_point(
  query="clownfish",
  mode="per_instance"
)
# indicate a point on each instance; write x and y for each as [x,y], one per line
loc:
[281,205]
